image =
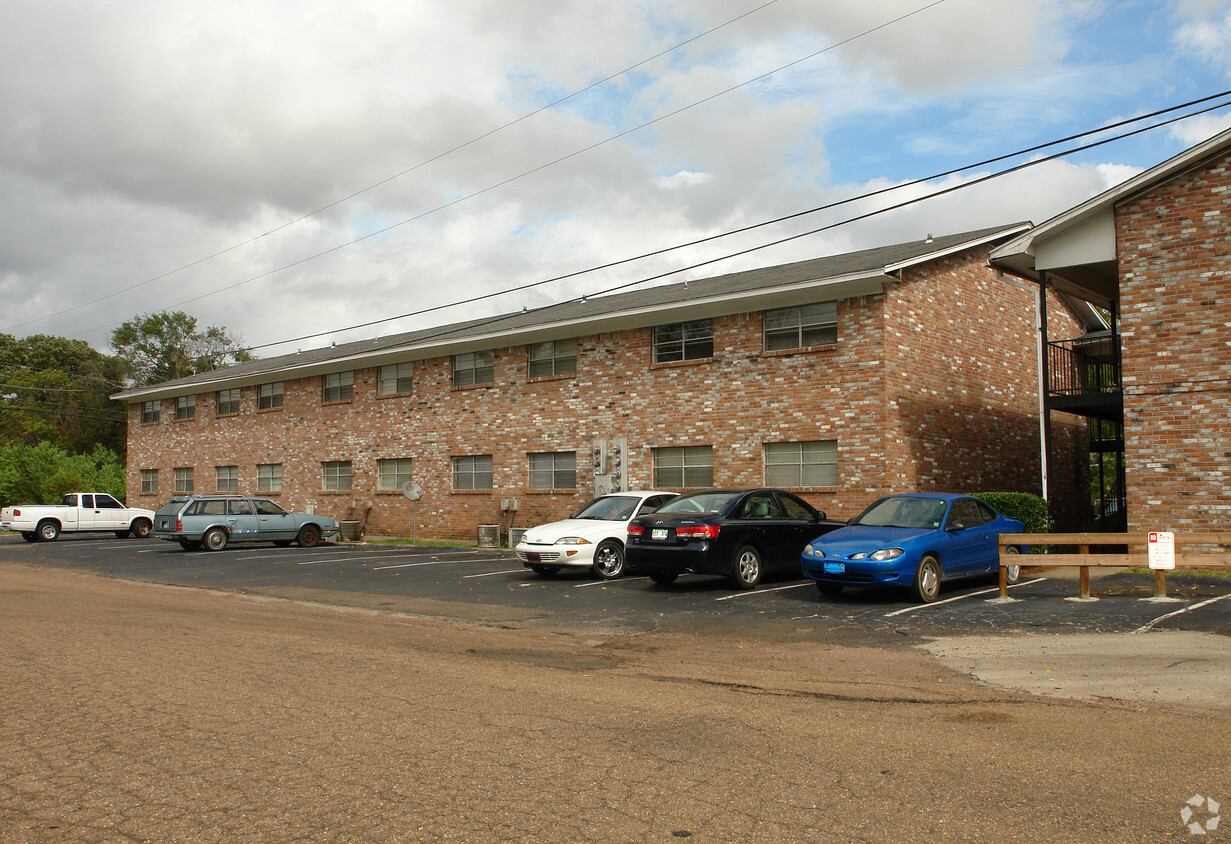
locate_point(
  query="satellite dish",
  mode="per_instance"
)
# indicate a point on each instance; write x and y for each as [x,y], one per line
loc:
[412,490]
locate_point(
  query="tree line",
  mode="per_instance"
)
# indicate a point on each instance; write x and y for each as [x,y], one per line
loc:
[60,431]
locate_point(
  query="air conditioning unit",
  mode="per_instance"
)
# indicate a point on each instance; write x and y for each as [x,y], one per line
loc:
[489,536]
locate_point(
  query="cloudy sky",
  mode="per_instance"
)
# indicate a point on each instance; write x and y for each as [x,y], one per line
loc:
[287,168]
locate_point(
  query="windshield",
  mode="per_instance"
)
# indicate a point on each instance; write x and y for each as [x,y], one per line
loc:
[905,512]
[609,508]
[702,502]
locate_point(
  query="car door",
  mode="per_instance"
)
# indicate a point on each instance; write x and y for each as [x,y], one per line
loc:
[969,536]
[759,519]
[85,512]
[109,514]
[241,519]
[273,522]
[798,529]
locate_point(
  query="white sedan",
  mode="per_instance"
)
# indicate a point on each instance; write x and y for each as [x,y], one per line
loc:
[592,537]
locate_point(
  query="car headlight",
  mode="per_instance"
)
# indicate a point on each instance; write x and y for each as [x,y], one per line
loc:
[886,554]
[809,551]
[572,540]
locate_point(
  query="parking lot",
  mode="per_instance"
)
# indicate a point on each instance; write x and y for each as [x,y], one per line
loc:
[490,585]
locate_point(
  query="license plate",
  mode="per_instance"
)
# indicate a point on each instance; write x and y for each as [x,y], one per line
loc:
[835,568]
[534,558]
[658,533]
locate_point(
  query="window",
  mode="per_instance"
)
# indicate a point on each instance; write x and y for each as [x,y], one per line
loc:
[228,478]
[339,386]
[684,341]
[269,477]
[150,412]
[238,507]
[183,480]
[269,396]
[149,481]
[392,473]
[474,368]
[102,501]
[555,357]
[556,470]
[395,379]
[472,472]
[690,467]
[336,475]
[801,464]
[798,328]
[185,407]
[228,402]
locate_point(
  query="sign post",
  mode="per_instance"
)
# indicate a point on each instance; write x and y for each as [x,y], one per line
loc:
[1161,554]
[414,492]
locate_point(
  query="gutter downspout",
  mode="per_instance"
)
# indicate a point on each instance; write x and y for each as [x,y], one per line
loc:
[1044,414]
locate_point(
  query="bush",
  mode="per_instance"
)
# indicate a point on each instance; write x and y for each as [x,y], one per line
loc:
[43,473]
[1027,508]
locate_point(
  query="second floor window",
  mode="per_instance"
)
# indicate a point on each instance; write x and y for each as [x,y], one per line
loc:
[557,470]
[684,341]
[472,368]
[395,379]
[228,402]
[336,475]
[799,328]
[185,407]
[555,357]
[150,412]
[338,386]
[270,396]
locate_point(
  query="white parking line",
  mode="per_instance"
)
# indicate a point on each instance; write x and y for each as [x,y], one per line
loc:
[1143,628]
[436,563]
[960,598]
[752,592]
[492,573]
[606,582]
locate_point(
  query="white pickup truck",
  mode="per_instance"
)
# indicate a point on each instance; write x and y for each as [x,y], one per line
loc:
[80,511]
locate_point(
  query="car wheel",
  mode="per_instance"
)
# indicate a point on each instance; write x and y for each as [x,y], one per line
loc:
[546,571]
[663,578]
[609,560]
[141,528]
[747,571]
[309,536]
[1014,572]
[121,534]
[829,590]
[927,579]
[29,536]
[189,544]
[48,531]
[215,539]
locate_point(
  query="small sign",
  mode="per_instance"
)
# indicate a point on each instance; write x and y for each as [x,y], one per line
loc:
[1161,547]
[412,490]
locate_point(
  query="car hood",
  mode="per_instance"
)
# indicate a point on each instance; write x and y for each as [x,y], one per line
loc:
[855,538]
[586,528]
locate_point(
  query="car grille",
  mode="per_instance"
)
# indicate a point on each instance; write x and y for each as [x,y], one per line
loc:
[538,556]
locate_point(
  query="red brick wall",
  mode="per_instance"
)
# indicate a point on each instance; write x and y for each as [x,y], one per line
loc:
[740,399]
[1174,244]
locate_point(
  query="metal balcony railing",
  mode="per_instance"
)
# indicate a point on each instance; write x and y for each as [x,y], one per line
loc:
[1084,366]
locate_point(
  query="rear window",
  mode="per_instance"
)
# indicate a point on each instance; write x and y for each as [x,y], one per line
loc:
[703,502]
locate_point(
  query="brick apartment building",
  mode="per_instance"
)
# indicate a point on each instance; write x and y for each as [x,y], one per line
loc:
[1156,252]
[912,366]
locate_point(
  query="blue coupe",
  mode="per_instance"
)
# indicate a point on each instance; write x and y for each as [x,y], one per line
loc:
[917,540]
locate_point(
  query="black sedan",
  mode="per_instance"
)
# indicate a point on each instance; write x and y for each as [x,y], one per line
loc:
[740,534]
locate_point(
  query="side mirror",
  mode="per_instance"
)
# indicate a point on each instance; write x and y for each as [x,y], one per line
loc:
[820,516]
[956,526]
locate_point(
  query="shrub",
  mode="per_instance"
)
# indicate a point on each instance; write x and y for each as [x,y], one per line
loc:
[1029,509]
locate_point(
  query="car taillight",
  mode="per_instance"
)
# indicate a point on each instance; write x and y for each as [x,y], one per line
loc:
[636,530]
[698,532]
[16,513]
[179,525]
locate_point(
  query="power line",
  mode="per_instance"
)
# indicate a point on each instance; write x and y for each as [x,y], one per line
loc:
[412,169]
[51,409]
[796,215]
[339,247]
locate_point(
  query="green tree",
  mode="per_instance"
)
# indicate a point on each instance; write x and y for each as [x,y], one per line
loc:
[57,390]
[43,473]
[168,345]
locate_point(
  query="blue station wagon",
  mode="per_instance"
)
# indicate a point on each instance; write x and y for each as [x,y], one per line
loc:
[214,521]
